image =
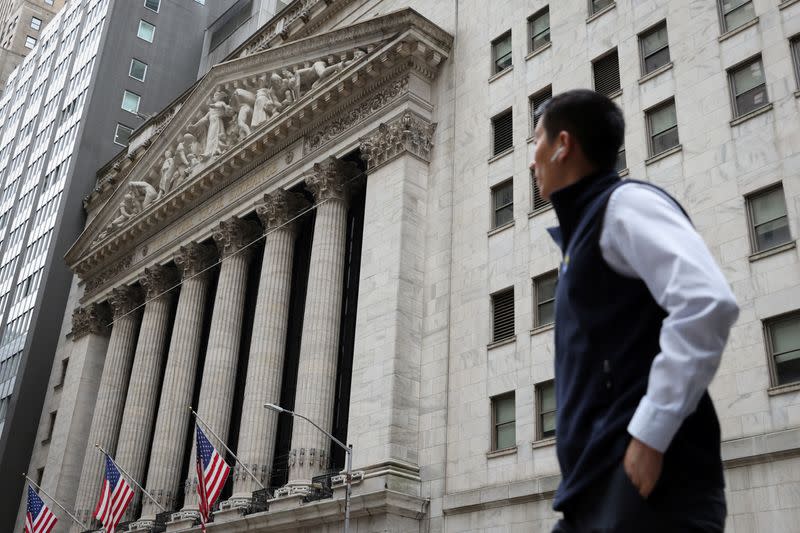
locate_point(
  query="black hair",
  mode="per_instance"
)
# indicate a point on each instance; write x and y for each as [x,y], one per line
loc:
[592,119]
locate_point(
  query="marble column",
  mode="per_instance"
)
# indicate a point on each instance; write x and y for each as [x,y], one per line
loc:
[219,371]
[140,405]
[110,396]
[319,350]
[172,422]
[265,366]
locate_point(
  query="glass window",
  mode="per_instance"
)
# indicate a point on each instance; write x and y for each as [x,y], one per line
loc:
[146,31]
[137,70]
[622,161]
[736,13]
[501,52]
[544,289]
[749,87]
[503,315]
[606,74]
[30,42]
[130,102]
[502,133]
[122,134]
[546,410]
[662,123]
[504,422]
[152,5]
[783,337]
[769,225]
[36,23]
[597,5]
[539,29]
[654,48]
[536,102]
[503,199]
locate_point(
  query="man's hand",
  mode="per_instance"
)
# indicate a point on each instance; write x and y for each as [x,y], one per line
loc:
[643,466]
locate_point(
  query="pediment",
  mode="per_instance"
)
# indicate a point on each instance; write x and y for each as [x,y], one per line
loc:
[240,111]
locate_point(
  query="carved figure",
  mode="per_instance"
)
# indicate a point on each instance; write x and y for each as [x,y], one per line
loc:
[246,100]
[214,123]
[145,193]
[167,173]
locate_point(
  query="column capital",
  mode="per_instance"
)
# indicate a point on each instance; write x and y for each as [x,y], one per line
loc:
[234,234]
[193,258]
[408,133]
[328,179]
[125,299]
[279,207]
[94,318]
[157,279]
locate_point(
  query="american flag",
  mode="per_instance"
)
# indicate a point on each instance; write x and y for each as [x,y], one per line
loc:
[212,471]
[38,519]
[114,498]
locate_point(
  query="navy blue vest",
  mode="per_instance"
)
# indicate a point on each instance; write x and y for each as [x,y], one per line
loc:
[607,329]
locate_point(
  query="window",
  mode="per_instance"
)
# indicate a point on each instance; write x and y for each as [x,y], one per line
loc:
[130,102]
[36,23]
[504,430]
[50,427]
[137,70]
[597,5]
[545,410]
[538,203]
[544,290]
[795,45]
[783,345]
[622,162]
[736,13]
[536,101]
[769,225]
[501,52]
[30,42]
[606,74]
[748,87]
[39,475]
[539,29]
[63,375]
[662,127]
[503,200]
[122,134]
[503,315]
[502,133]
[654,48]
[49,2]
[152,5]
[146,31]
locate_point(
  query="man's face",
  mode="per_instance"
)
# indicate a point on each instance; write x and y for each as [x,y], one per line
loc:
[543,166]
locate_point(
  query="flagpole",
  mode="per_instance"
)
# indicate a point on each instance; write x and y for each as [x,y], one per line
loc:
[25,475]
[244,466]
[96,445]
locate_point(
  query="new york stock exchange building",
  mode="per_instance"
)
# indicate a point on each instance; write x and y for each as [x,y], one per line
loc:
[339,219]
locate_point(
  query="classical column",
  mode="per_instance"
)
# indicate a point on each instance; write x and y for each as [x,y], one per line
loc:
[172,421]
[140,405]
[265,366]
[110,396]
[219,371]
[319,350]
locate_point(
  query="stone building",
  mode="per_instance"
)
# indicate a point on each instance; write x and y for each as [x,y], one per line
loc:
[22,23]
[339,219]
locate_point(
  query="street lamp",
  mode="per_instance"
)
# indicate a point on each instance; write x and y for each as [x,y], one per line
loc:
[348,449]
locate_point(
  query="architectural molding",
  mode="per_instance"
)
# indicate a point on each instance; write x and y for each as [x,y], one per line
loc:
[94,318]
[125,299]
[329,179]
[194,258]
[279,208]
[408,133]
[234,234]
[158,279]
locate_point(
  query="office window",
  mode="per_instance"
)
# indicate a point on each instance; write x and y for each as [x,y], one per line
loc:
[501,52]
[146,31]
[544,291]
[122,134]
[545,410]
[137,70]
[597,5]
[769,225]
[622,161]
[654,48]
[748,87]
[502,132]
[536,101]
[130,102]
[152,5]
[504,431]
[503,315]
[606,74]
[503,200]
[30,42]
[783,342]
[36,23]
[736,13]
[537,201]
[662,127]
[539,29]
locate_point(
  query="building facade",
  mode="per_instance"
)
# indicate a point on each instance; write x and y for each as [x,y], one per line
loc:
[339,219]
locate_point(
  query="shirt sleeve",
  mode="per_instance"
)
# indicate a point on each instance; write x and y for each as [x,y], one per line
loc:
[645,235]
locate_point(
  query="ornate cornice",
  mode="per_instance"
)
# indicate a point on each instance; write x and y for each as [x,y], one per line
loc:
[194,258]
[94,318]
[279,208]
[125,299]
[158,279]
[102,277]
[409,133]
[234,234]
[328,180]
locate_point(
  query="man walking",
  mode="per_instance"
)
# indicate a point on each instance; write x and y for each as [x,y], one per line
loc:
[642,316]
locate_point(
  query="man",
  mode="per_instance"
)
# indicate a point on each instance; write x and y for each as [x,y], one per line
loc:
[642,316]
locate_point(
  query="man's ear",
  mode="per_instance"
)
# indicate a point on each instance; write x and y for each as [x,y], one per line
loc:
[566,141]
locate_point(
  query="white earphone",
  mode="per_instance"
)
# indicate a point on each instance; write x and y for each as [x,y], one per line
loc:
[556,154]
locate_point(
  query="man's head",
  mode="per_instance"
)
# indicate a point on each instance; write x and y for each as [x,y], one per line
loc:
[579,132]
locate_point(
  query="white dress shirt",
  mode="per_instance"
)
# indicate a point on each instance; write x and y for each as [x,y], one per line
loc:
[645,235]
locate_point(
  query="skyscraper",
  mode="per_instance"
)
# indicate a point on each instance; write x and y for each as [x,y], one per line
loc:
[22,23]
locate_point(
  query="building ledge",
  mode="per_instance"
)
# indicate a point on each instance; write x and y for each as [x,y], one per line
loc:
[500,229]
[728,34]
[761,448]
[543,443]
[783,389]
[500,74]
[787,3]
[752,114]
[624,172]
[542,329]
[615,94]
[772,251]
[540,210]
[497,344]
[514,492]
[501,453]
[598,14]
[650,75]
[534,53]
[501,154]
[663,155]
[797,93]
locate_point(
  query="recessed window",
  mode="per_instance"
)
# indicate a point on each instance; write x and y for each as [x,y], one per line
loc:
[504,431]
[130,102]
[606,74]
[502,133]
[63,375]
[662,127]
[36,23]
[137,70]
[545,410]
[783,341]
[122,134]
[503,315]
[748,87]
[769,225]
[735,13]
[39,475]
[501,52]
[795,46]
[503,200]
[597,5]
[544,290]
[152,5]
[51,425]
[30,42]
[536,101]
[146,31]
[539,29]
[622,161]
[537,201]
[654,48]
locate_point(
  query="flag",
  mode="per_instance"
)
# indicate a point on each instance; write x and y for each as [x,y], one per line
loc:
[212,471]
[38,519]
[114,498]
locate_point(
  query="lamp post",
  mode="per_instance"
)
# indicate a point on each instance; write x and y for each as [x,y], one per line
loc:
[348,449]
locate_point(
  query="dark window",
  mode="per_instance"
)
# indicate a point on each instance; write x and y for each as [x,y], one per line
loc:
[654,48]
[622,161]
[501,52]
[538,202]
[795,45]
[502,133]
[736,13]
[545,410]
[504,431]
[597,5]
[783,340]
[503,315]
[503,200]
[748,87]
[63,375]
[769,225]
[606,74]
[662,126]
[152,5]
[536,101]
[122,134]
[51,425]
[544,289]
[539,29]
[137,70]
